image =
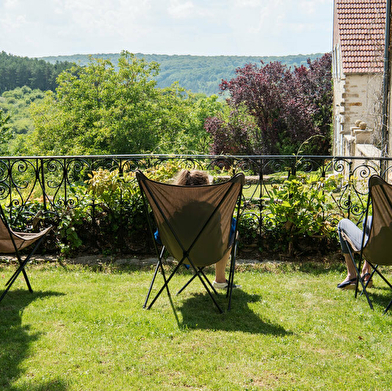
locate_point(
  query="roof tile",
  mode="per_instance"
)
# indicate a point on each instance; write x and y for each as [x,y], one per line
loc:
[361,28]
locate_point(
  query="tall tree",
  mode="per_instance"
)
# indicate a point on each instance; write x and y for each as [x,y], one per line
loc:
[103,109]
[287,106]
[97,109]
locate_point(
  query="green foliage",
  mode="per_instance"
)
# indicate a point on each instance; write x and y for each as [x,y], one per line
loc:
[248,228]
[99,110]
[72,220]
[102,110]
[35,73]
[16,105]
[181,122]
[114,187]
[110,187]
[5,132]
[298,208]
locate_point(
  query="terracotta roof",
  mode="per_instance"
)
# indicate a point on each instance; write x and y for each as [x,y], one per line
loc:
[361,30]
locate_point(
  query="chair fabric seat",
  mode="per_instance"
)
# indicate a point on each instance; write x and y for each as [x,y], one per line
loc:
[378,249]
[21,239]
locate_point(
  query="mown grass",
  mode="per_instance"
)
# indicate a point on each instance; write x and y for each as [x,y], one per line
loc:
[289,329]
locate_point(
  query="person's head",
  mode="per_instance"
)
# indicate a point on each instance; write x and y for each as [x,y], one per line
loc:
[192,178]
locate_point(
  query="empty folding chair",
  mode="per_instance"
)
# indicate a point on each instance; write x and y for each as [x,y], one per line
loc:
[12,242]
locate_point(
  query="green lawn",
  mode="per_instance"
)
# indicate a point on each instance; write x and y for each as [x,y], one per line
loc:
[289,329]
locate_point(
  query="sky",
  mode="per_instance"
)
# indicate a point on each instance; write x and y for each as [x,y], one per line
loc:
[37,28]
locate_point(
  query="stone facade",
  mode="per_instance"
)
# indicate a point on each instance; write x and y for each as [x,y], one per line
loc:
[357,97]
[357,70]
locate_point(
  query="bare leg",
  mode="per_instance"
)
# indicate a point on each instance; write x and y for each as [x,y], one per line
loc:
[351,273]
[220,268]
[366,268]
[350,230]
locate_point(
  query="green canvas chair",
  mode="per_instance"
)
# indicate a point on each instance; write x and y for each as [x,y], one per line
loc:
[12,242]
[194,227]
[377,247]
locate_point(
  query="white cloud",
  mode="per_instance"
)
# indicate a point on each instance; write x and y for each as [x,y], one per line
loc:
[248,3]
[181,9]
[11,3]
[211,27]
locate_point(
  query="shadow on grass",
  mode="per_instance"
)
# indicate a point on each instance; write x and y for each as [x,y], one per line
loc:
[15,341]
[198,312]
[379,295]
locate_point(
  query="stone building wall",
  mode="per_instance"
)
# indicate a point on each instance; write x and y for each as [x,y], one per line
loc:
[356,97]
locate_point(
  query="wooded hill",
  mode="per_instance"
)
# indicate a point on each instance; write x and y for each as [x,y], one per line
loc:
[200,74]
[34,73]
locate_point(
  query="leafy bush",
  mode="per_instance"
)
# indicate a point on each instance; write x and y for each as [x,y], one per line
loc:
[109,216]
[298,208]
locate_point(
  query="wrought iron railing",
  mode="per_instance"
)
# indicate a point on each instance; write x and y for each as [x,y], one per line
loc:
[49,179]
[46,184]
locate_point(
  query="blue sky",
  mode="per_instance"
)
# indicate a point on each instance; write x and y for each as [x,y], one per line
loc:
[36,28]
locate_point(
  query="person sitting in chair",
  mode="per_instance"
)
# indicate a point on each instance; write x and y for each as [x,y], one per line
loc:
[198,178]
[351,235]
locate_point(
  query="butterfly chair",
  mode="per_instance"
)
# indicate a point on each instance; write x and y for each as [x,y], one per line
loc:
[12,242]
[194,227]
[376,247]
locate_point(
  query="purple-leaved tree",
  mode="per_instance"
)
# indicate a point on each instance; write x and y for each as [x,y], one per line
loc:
[284,108]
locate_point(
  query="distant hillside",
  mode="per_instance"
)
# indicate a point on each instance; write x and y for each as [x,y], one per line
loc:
[35,73]
[196,73]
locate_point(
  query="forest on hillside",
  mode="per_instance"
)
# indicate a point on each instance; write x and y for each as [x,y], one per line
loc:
[16,71]
[199,74]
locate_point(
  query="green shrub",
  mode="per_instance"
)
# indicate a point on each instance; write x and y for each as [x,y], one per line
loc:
[110,216]
[298,208]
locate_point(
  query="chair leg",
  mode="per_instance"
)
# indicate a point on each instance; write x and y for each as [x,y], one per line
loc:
[17,272]
[208,290]
[27,280]
[383,278]
[359,279]
[151,284]
[165,285]
[188,283]
[387,308]
[13,278]
[208,281]
[371,276]
[154,276]
[231,274]
[193,277]
[198,273]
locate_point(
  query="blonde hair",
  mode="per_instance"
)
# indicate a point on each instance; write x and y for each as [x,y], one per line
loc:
[192,178]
